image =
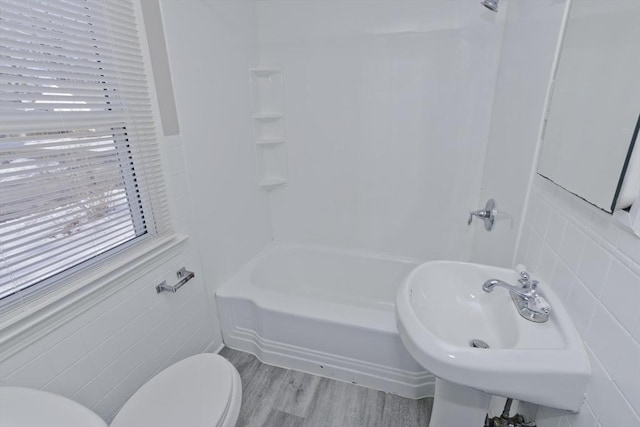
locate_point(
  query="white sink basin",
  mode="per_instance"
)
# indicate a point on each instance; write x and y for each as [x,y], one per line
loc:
[441,308]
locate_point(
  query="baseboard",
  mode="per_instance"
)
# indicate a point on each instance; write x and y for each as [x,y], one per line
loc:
[214,347]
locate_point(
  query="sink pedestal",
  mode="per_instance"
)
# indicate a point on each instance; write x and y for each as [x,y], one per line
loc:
[456,405]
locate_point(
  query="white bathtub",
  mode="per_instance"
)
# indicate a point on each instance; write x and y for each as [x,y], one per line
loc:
[325,311]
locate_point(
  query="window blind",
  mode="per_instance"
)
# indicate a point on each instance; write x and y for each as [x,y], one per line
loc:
[80,170]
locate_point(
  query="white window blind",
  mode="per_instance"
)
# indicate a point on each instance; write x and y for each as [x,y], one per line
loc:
[80,173]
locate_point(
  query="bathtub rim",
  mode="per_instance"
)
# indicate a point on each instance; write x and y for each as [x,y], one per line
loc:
[240,285]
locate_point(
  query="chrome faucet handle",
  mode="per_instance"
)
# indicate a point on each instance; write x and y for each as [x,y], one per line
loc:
[539,305]
[525,279]
[488,215]
[479,213]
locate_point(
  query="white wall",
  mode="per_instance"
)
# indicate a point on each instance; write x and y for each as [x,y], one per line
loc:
[211,46]
[531,34]
[387,110]
[594,266]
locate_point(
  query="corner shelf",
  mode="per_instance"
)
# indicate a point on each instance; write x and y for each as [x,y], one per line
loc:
[270,141]
[269,183]
[267,96]
[264,71]
[267,116]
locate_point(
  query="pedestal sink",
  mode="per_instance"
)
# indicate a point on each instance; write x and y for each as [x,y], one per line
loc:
[441,309]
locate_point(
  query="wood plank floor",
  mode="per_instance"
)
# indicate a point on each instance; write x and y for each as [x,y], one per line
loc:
[278,397]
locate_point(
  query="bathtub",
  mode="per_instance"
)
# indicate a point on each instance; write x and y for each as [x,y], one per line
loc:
[328,312]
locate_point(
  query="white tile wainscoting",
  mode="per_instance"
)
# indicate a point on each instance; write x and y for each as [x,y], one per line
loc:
[101,357]
[594,266]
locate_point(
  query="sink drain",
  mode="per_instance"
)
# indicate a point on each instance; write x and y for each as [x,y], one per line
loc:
[478,344]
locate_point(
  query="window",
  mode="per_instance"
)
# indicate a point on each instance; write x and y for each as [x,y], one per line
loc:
[80,174]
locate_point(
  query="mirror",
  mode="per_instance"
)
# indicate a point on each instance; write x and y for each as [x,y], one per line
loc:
[594,111]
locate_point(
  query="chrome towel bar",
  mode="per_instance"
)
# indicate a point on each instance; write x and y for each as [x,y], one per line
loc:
[183,275]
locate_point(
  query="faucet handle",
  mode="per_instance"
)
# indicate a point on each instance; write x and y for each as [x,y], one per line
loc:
[488,214]
[538,304]
[524,275]
[479,213]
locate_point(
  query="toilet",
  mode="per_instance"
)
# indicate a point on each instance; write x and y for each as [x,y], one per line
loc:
[200,391]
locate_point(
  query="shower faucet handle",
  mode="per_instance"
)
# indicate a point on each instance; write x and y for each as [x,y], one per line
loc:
[488,214]
[479,213]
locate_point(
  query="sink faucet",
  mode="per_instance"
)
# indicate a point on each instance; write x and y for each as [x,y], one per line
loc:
[529,304]
[521,291]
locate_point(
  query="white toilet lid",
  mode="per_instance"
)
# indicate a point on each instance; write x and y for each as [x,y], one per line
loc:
[25,407]
[194,392]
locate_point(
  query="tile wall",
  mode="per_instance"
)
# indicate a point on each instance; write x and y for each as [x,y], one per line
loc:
[594,266]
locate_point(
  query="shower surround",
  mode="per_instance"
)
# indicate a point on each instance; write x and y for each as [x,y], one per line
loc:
[388,106]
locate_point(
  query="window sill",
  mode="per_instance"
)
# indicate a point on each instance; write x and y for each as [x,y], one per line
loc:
[21,326]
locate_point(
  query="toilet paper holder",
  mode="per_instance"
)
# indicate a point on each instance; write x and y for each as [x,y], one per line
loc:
[183,275]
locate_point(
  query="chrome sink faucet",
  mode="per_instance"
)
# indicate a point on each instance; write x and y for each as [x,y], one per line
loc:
[529,304]
[522,292]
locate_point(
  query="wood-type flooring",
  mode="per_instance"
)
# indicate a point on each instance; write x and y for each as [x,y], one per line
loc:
[278,397]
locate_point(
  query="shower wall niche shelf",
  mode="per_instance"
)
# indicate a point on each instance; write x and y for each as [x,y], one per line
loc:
[269,183]
[267,116]
[267,93]
[270,141]
[267,101]
[265,71]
